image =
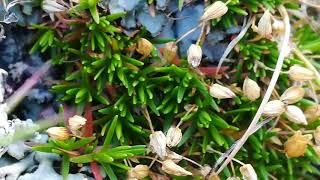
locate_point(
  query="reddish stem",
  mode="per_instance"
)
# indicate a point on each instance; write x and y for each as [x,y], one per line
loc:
[96,171]
[88,133]
[213,70]
[89,124]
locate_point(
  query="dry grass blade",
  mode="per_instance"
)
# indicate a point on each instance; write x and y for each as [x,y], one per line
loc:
[234,43]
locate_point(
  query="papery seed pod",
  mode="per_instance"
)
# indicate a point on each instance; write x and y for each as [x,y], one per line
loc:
[274,108]
[58,133]
[214,11]
[313,112]
[194,55]
[295,114]
[138,172]
[170,51]
[299,73]
[221,92]
[297,144]
[292,95]
[144,47]
[76,123]
[248,173]
[276,140]
[158,143]
[316,135]
[205,170]
[173,156]
[213,176]
[172,168]
[173,136]
[278,26]
[251,89]
[264,25]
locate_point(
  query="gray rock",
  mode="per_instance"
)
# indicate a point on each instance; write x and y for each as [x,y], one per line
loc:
[152,24]
[188,19]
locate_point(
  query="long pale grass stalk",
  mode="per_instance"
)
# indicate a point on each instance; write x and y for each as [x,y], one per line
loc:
[234,42]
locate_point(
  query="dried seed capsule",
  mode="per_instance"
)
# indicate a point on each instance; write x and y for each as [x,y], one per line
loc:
[205,170]
[278,26]
[248,173]
[158,143]
[274,108]
[295,114]
[58,133]
[313,112]
[214,11]
[213,176]
[292,95]
[276,140]
[76,123]
[170,167]
[221,92]
[170,51]
[299,73]
[297,144]
[251,89]
[316,135]
[138,172]
[144,47]
[174,136]
[194,55]
[173,156]
[264,25]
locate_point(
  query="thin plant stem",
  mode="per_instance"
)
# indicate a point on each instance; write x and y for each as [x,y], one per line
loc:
[14,100]
[147,116]
[268,93]
[306,62]
[188,33]
[234,42]
[233,159]
[193,162]
[201,34]
[314,94]
[148,157]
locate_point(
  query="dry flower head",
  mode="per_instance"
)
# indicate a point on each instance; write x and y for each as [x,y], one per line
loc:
[214,11]
[158,143]
[58,133]
[297,144]
[144,47]
[299,73]
[138,172]
[173,136]
[221,92]
[194,55]
[251,89]
[292,95]
[295,114]
[274,108]
[172,168]
[76,123]
[248,172]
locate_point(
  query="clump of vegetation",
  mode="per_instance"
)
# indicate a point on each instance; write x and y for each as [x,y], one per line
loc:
[153,113]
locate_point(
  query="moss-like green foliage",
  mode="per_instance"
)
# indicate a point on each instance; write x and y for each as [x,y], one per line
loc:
[100,67]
